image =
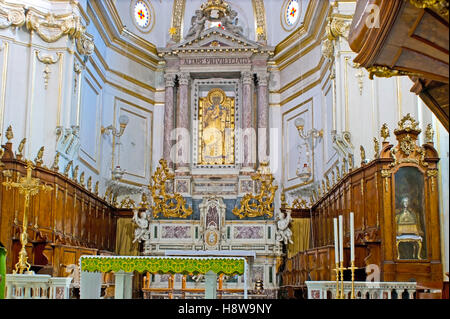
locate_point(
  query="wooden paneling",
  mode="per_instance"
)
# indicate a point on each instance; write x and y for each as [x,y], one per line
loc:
[63,223]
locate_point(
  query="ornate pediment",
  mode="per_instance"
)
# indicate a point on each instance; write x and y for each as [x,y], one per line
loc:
[216,40]
[215,27]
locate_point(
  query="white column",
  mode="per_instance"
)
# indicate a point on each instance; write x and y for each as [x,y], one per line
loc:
[123,285]
[211,285]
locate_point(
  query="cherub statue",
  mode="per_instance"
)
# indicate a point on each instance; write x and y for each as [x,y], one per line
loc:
[197,24]
[284,234]
[142,232]
[230,23]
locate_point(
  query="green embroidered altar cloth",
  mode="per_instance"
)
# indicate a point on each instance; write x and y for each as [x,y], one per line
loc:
[173,265]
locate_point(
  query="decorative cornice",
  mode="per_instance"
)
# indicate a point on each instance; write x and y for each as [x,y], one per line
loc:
[234,44]
[11,15]
[48,26]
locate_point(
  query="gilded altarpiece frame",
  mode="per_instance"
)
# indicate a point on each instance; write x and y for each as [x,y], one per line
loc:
[215,109]
[216,124]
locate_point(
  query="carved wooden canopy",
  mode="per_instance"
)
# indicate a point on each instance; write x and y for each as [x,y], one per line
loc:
[406,38]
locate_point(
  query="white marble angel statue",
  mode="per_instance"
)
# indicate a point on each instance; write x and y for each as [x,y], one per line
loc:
[197,24]
[230,23]
[142,232]
[284,234]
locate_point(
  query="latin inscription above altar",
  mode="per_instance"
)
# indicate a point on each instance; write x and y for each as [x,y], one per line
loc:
[209,61]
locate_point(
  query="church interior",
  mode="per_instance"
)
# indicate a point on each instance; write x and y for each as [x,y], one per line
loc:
[224,149]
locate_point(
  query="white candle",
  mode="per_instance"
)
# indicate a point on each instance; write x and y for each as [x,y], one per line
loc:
[341,239]
[336,241]
[352,237]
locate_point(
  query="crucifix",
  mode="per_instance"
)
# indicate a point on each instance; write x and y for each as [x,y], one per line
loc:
[29,187]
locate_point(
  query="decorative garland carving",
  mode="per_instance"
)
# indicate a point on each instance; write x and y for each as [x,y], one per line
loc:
[50,27]
[262,203]
[167,205]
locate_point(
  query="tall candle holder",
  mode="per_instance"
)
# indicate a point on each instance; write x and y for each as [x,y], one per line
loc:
[341,269]
[353,268]
[338,292]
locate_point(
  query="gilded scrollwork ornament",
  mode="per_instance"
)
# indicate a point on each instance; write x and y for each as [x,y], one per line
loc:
[299,203]
[260,204]
[167,205]
[407,145]
[127,203]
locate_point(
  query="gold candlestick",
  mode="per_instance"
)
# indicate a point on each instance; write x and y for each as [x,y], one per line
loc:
[338,294]
[341,269]
[353,279]
[29,187]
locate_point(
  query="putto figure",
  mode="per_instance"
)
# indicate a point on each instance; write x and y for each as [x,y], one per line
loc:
[197,24]
[284,234]
[142,232]
[230,23]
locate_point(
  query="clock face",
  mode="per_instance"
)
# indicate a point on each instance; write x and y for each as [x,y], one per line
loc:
[292,12]
[142,14]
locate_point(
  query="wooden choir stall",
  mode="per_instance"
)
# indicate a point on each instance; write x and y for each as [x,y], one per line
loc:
[65,223]
[395,200]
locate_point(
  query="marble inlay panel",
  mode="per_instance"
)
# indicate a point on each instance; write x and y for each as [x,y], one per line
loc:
[248,232]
